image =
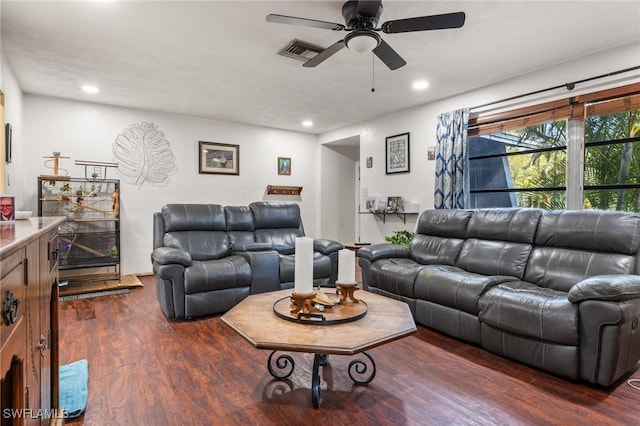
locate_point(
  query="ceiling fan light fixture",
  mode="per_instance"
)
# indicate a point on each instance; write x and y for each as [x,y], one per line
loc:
[362,41]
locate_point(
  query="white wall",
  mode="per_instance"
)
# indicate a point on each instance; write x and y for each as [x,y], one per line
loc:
[87,131]
[338,192]
[13,114]
[418,185]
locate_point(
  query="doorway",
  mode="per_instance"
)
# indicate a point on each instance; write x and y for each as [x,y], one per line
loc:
[340,161]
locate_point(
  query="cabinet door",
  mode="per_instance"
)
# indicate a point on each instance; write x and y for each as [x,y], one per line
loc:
[13,355]
[34,341]
[48,281]
[12,294]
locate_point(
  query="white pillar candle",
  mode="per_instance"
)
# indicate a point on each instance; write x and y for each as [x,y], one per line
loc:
[303,278]
[346,266]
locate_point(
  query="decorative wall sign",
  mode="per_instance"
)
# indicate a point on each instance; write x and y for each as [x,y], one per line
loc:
[219,158]
[284,166]
[397,154]
[143,155]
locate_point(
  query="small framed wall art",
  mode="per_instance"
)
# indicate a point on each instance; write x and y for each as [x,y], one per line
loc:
[7,208]
[219,158]
[431,153]
[284,166]
[394,204]
[397,154]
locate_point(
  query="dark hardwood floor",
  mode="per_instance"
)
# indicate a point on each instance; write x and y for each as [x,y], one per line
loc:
[145,370]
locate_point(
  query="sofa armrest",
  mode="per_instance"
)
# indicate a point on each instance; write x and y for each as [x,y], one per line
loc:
[265,269]
[170,255]
[326,246]
[383,251]
[252,247]
[613,288]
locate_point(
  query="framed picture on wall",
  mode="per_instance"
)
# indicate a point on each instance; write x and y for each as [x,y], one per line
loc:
[395,204]
[370,203]
[219,158]
[284,166]
[7,208]
[397,154]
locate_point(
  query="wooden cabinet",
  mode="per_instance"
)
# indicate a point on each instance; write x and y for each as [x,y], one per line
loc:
[29,326]
[90,237]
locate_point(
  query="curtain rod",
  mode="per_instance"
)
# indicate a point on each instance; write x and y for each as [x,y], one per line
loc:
[569,86]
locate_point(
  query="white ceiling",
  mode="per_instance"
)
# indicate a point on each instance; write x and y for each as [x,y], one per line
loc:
[217,59]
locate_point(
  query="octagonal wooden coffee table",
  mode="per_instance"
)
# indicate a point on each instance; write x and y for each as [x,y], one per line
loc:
[385,320]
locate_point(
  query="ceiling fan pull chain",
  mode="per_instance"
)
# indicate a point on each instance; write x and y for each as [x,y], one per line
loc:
[373,74]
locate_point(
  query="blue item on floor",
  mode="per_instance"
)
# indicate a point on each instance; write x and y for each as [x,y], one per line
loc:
[74,390]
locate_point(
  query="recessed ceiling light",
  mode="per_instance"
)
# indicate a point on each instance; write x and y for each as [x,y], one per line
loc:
[420,85]
[307,123]
[88,88]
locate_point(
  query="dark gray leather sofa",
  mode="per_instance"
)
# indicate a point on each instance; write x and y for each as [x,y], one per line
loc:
[206,258]
[556,290]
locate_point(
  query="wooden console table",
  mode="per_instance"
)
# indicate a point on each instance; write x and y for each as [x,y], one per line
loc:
[29,324]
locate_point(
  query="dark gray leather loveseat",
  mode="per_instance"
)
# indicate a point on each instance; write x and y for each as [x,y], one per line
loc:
[556,290]
[206,258]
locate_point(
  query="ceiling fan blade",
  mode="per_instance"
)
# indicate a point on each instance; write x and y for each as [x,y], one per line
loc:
[389,56]
[368,9]
[292,20]
[425,23]
[325,54]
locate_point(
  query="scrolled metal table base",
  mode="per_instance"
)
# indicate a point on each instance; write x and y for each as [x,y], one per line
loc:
[282,367]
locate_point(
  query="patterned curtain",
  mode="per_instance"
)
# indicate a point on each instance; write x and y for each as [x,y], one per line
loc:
[451,134]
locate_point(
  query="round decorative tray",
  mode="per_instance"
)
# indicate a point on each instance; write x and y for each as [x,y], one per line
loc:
[332,315]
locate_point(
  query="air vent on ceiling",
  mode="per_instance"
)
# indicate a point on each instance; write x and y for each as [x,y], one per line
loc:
[300,50]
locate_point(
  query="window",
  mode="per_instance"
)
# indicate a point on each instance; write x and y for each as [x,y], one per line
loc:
[524,167]
[521,158]
[612,161]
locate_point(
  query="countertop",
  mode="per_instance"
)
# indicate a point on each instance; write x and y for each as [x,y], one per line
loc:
[21,232]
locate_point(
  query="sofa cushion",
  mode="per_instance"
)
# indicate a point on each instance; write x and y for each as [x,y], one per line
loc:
[453,287]
[321,266]
[275,215]
[561,268]
[427,249]
[515,224]
[278,224]
[522,308]
[199,229]
[201,245]
[444,223]
[193,217]
[240,224]
[230,272]
[603,231]
[282,240]
[396,275]
[489,257]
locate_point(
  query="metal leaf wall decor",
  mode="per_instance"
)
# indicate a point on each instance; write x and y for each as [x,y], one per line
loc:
[144,155]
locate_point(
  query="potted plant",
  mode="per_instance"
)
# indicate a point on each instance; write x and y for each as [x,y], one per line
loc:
[400,237]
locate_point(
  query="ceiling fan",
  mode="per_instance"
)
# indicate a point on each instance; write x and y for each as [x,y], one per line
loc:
[361,18]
